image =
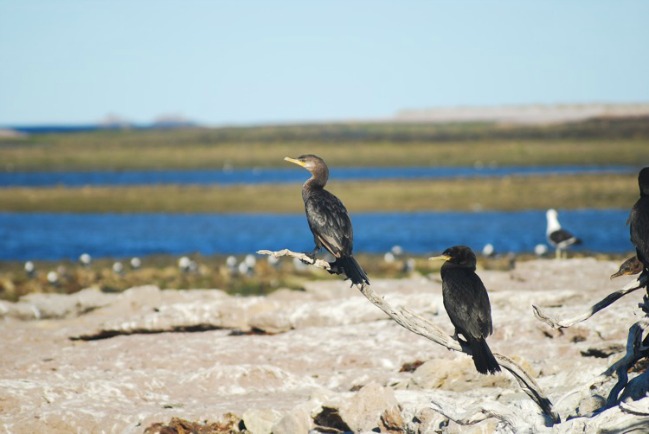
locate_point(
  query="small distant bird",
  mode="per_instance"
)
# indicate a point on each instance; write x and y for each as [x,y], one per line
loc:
[85,259]
[30,269]
[247,266]
[243,268]
[250,261]
[231,261]
[53,277]
[560,238]
[540,249]
[135,263]
[186,265]
[328,220]
[639,221]
[467,303]
[489,250]
[629,267]
[273,261]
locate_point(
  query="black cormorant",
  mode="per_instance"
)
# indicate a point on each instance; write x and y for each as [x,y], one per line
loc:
[560,238]
[639,221]
[467,303]
[328,219]
[629,267]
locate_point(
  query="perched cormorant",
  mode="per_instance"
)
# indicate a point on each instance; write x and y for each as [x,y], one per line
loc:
[629,267]
[560,238]
[328,219]
[467,303]
[639,221]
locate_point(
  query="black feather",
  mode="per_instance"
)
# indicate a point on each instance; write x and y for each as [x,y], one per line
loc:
[467,303]
[329,220]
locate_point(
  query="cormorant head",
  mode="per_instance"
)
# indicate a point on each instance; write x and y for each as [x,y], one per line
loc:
[629,267]
[461,256]
[313,164]
[643,181]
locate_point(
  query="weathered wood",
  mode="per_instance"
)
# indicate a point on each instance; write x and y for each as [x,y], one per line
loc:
[641,282]
[507,418]
[421,326]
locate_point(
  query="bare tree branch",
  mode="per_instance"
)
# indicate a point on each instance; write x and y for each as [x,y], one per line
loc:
[301,256]
[427,329]
[607,301]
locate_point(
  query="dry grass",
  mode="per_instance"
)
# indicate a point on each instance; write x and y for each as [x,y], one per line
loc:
[508,193]
[596,142]
[525,153]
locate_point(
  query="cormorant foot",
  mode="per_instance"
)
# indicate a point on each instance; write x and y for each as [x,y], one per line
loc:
[311,256]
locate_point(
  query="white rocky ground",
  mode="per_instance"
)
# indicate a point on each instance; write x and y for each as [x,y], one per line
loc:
[326,357]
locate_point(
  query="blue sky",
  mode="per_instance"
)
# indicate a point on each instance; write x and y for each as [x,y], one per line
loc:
[246,62]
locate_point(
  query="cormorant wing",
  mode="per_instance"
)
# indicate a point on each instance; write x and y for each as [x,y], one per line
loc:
[467,304]
[330,223]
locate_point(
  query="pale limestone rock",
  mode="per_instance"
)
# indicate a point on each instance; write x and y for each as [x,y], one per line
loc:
[371,408]
[297,420]
[261,421]
[336,341]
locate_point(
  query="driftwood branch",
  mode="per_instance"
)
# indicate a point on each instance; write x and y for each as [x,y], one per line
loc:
[319,263]
[427,329]
[476,413]
[641,282]
[634,352]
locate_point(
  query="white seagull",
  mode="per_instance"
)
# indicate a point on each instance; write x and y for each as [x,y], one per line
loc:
[560,238]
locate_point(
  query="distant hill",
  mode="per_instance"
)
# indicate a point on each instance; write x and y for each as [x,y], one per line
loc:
[523,114]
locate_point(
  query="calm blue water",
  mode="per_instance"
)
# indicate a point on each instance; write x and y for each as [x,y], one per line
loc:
[284,175]
[66,236]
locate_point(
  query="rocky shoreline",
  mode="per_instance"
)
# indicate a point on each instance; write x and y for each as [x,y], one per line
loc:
[321,359]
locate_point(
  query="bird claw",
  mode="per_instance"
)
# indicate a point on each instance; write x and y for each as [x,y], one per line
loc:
[311,256]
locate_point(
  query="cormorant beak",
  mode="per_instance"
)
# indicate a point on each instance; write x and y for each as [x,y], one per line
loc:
[618,274]
[294,161]
[440,257]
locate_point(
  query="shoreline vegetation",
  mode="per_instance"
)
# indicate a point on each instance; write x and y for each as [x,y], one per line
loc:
[601,141]
[467,194]
[598,141]
[213,272]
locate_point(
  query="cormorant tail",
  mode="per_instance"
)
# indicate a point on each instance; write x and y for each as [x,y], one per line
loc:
[483,358]
[351,268]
